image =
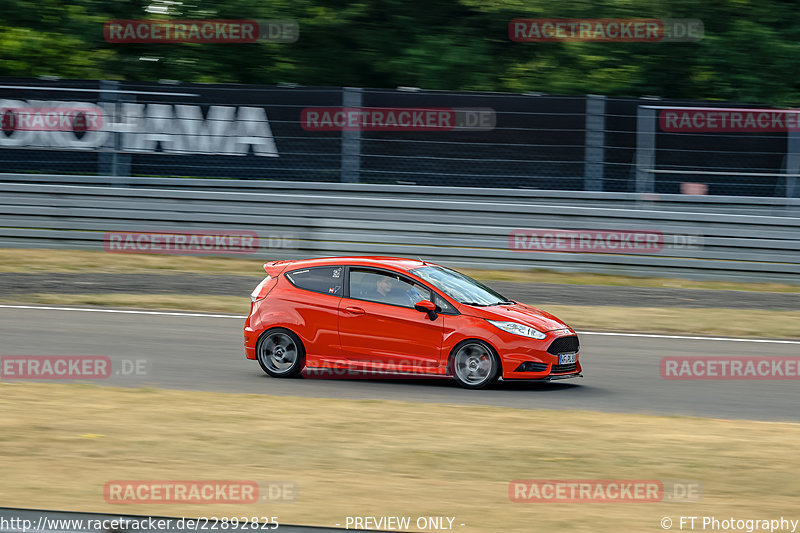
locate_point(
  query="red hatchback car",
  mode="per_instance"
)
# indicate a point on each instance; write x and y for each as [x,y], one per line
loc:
[389,315]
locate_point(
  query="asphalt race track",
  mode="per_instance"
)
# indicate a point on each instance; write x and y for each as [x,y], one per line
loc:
[205,353]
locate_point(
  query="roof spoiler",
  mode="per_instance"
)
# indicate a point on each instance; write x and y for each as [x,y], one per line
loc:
[273,268]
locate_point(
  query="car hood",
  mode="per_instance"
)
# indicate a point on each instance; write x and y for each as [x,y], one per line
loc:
[524,314]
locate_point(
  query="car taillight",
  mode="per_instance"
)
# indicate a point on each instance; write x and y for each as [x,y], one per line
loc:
[256,294]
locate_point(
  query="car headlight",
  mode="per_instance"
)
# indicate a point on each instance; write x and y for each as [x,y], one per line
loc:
[518,329]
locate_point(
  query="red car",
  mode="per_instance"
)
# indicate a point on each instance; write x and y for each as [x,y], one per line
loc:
[395,316]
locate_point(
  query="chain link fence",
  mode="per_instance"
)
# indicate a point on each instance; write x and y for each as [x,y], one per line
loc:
[403,136]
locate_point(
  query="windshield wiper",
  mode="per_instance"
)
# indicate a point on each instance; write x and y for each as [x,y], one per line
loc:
[476,304]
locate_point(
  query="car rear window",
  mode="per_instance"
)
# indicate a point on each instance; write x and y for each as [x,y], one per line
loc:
[327,280]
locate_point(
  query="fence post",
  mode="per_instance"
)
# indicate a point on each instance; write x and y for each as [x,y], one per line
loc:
[111,161]
[351,140]
[645,149]
[107,163]
[792,163]
[594,151]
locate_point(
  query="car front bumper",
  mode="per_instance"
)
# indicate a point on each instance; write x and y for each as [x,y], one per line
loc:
[553,377]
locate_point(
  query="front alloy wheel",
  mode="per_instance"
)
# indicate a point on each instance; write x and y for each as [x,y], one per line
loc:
[280,353]
[475,365]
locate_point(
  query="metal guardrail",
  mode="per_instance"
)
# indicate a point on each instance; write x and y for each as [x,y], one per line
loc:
[12,520]
[732,238]
[755,205]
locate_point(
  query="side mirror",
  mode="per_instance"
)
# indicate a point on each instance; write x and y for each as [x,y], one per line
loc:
[427,306]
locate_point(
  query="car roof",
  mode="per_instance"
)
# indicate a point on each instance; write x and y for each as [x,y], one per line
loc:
[396,263]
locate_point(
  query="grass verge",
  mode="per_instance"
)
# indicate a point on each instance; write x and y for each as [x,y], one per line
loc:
[80,261]
[707,321]
[77,261]
[59,445]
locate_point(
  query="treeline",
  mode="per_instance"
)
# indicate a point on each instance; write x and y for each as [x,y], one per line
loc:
[750,52]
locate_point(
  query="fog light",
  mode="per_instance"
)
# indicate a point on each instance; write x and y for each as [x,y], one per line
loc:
[530,366]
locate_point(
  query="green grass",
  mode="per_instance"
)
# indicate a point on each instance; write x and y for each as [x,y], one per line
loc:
[78,261]
[59,445]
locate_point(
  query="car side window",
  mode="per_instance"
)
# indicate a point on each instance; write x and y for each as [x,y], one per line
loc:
[386,288]
[445,307]
[327,280]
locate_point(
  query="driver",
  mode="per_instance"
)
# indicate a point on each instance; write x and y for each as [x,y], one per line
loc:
[394,291]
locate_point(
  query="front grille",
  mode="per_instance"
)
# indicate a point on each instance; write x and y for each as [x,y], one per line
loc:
[564,345]
[564,369]
[530,366]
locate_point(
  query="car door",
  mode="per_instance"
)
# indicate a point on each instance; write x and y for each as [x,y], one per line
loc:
[314,302]
[380,329]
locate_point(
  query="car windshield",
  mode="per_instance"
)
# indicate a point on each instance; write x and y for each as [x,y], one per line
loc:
[461,288]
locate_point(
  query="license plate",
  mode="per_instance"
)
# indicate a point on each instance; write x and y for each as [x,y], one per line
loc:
[567,358]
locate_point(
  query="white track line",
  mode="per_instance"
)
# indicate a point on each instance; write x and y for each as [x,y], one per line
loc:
[242,317]
[123,311]
[655,336]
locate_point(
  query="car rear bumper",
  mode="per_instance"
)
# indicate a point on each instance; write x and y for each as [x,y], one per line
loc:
[250,339]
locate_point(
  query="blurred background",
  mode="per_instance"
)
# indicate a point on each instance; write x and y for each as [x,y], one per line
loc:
[548,140]
[569,115]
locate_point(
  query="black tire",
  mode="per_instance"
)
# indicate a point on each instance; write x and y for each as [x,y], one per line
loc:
[280,353]
[474,364]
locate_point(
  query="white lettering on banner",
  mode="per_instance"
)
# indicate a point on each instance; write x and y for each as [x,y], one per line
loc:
[159,129]
[175,129]
[57,137]
[206,133]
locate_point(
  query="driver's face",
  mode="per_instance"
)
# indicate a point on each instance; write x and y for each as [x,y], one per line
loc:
[384,285]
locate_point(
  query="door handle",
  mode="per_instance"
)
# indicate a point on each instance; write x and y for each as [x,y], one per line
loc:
[354,310]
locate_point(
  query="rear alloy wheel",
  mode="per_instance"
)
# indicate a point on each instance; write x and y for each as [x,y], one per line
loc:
[475,365]
[280,353]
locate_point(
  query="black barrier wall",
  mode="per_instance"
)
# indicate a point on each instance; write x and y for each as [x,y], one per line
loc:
[489,140]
